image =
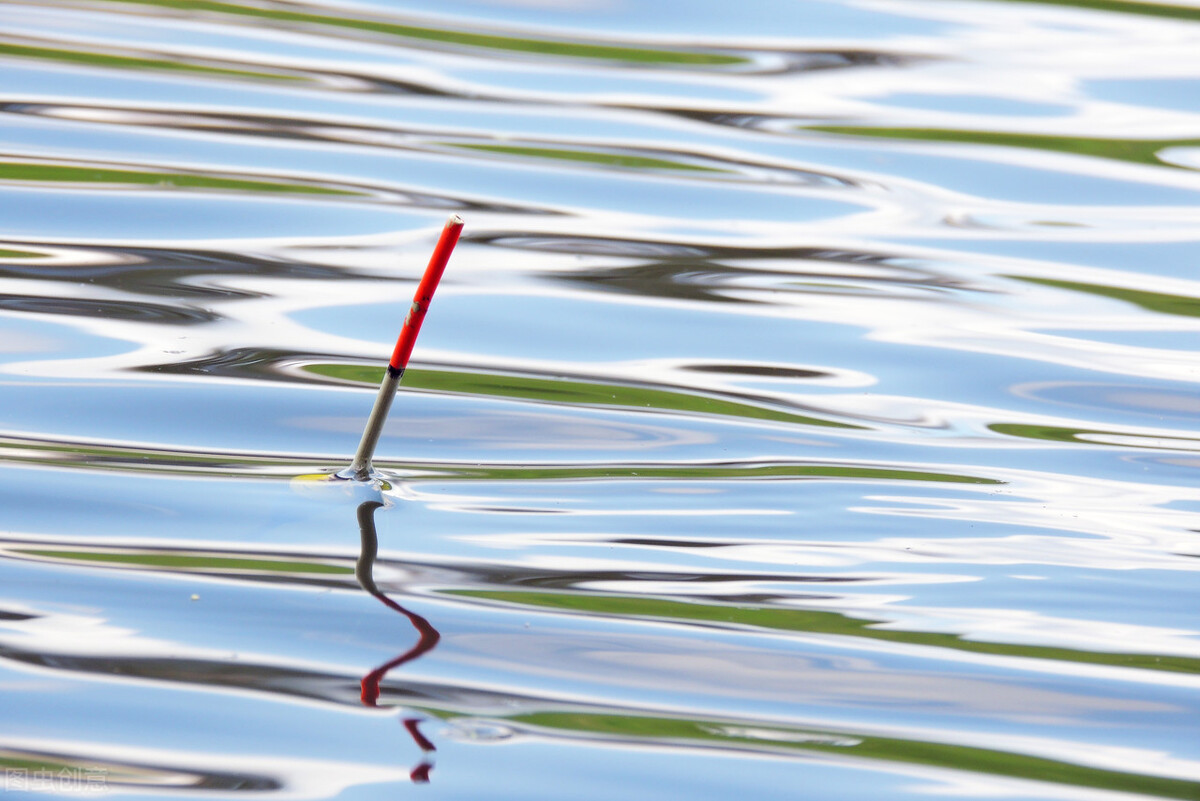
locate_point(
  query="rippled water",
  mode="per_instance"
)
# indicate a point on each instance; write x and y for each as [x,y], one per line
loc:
[809,410]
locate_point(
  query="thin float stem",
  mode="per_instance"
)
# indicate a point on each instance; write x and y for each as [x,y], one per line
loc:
[360,469]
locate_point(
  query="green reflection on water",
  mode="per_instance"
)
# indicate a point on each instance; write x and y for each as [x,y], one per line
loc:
[556,391]
[707,471]
[32,763]
[1162,302]
[1138,151]
[129,62]
[67,454]
[457,37]
[166,462]
[191,560]
[25,171]
[813,621]
[590,157]
[1125,7]
[1122,439]
[774,738]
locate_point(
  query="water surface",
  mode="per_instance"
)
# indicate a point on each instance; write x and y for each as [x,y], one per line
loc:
[808,411]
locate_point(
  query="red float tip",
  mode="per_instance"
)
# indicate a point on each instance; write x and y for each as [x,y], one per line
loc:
[425,290]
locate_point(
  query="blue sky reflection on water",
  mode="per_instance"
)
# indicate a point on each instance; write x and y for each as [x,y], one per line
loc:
[808,411]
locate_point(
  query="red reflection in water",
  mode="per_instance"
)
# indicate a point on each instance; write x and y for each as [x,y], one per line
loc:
[426,641]
[420,774]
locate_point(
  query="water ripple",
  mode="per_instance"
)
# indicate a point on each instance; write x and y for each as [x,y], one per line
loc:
[809,403]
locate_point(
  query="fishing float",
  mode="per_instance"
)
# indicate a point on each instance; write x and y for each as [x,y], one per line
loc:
[361,468]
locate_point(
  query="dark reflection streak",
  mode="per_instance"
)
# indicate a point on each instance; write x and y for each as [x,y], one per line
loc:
[890,267]
[722,168]
[378,85]
[758,370]
[716,274]
[427,641]
[811,60]
[415,141]
[419,141]
[714,282]
[16,616]
[107,309]
[724,118]
[169,272]
[259,363]
[292,129]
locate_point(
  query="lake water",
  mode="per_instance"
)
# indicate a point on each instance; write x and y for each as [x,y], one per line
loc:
[809,410]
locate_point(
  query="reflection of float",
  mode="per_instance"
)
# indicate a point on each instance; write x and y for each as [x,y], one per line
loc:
[428,639]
